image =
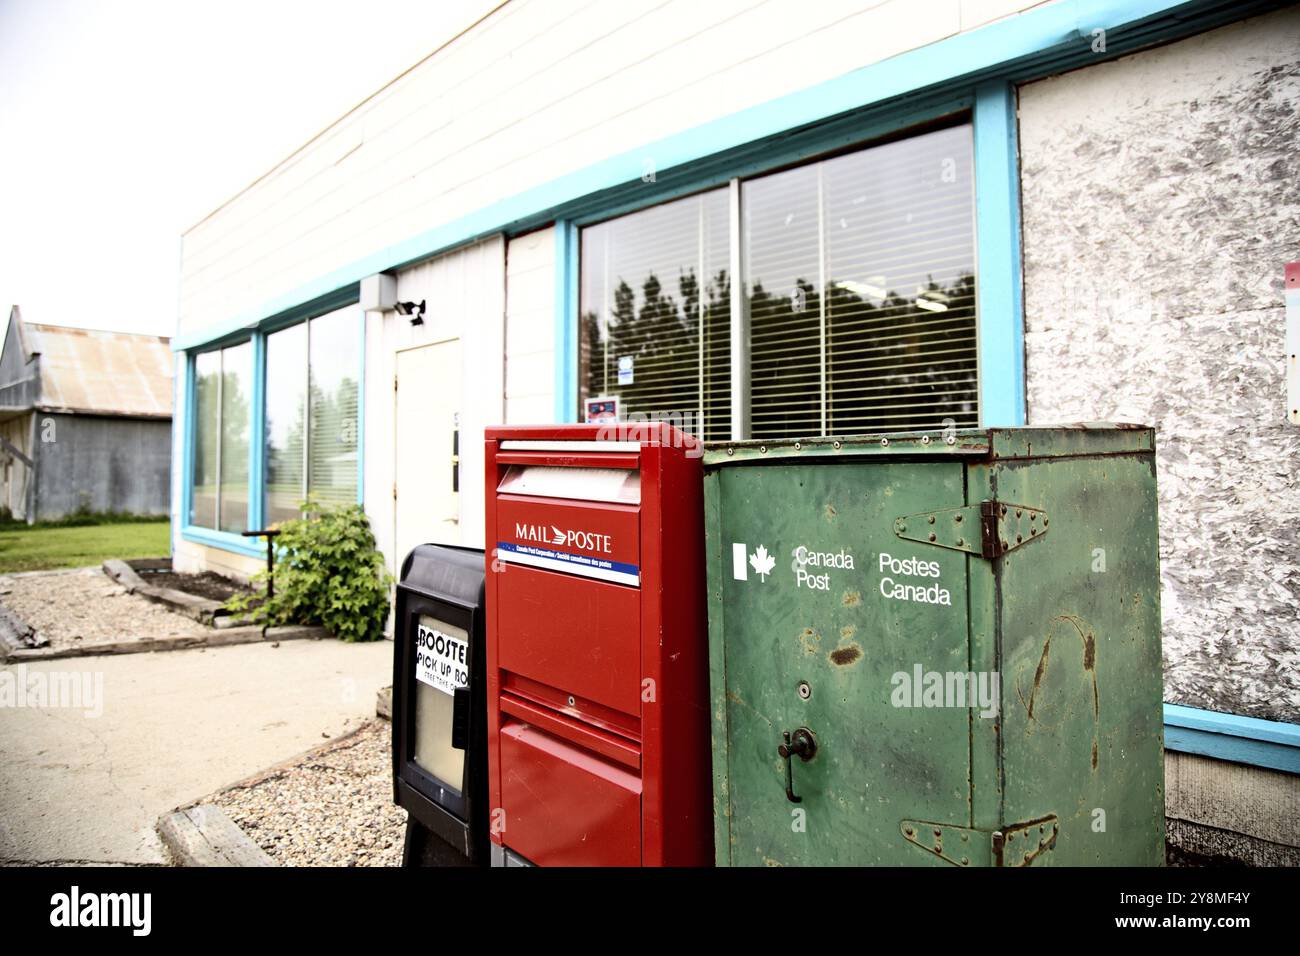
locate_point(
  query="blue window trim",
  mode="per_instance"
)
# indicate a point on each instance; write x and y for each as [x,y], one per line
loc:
[186,438]
[566,321]
[361,411]
[225,540]
[1246,740]
[179,432]
[257,438]
[1000,312]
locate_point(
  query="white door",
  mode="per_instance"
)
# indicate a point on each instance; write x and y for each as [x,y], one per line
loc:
[428,396]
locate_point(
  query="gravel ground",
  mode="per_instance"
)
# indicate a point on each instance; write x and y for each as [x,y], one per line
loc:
[333,808]
[85,606]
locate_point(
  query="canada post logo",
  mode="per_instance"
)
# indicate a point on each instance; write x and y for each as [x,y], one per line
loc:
[580,540]
[586,553]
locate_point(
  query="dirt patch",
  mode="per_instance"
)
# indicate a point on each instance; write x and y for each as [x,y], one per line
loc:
[333,808]
[208,584]
[84,606]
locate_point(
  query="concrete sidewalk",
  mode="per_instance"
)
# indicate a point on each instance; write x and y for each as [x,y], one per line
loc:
[175,726]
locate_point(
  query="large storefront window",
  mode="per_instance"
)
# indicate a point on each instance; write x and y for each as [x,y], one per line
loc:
[311,390]
[286,422]
[311,415]
[222,403]
[859,275]
[656,313]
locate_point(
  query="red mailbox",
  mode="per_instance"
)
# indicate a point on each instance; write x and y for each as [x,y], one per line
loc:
[597,652]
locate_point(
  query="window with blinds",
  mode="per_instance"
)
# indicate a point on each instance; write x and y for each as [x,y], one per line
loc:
[311,415]
[332,390]
[286,423]
[861,279]
[655,307]
[222,397]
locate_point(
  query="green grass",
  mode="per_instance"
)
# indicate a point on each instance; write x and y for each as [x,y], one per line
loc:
[36,548]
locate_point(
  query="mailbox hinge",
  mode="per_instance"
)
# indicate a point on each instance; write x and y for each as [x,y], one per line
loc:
[1023,843]
[1017,845]
[960,846]
[989,529]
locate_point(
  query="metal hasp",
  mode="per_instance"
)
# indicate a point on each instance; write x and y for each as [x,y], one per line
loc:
[439,706]
[1017,845]
[989,529]
[598,730]
[966,624]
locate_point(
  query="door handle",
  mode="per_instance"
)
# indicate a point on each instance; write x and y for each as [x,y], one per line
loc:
[455,458]
[802,744]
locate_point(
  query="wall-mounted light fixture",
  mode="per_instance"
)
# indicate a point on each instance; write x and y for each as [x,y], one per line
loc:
[416,311]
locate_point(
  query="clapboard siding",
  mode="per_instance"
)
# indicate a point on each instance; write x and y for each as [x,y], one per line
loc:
[976,13]
[465,295]
[530,328]
[191,558]
[538,89]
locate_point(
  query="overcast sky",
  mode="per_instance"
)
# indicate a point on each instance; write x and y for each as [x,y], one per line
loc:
[124,122]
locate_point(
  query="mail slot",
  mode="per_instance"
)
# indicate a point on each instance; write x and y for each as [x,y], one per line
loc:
[439,726]
[597,652]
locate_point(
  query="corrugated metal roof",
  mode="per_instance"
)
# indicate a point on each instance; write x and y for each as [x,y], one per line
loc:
[109,373]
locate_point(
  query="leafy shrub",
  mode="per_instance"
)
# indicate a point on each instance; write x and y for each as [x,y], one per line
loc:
[328,572]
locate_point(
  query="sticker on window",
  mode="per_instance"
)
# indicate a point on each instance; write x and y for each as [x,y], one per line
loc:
[441,659]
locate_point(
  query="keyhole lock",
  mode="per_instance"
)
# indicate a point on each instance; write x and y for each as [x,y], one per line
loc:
[805,690]
[801,744]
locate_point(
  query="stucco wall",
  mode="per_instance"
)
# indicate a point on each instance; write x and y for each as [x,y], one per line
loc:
[1159,206]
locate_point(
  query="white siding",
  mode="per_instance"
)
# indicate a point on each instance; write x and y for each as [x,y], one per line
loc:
[191,558]
[976,13]
[465,292]
[539,89]
[530,329]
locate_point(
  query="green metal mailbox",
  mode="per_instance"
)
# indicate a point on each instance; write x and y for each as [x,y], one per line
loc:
[936,648]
